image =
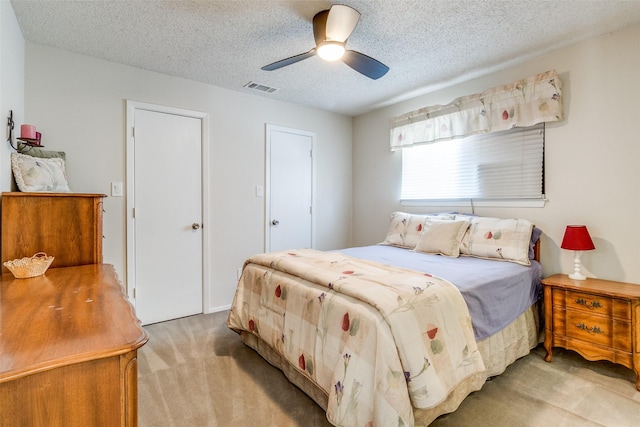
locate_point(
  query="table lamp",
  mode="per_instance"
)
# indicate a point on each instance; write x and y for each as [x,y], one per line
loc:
[577,239]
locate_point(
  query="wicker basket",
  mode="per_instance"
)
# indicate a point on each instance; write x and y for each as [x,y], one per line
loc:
[29,267]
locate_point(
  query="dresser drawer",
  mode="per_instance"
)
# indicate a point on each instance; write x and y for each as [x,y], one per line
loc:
[601,330]
[592,303]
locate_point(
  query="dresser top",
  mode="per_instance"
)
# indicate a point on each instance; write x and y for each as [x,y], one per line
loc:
[600,286]
[69,315]
[46,194]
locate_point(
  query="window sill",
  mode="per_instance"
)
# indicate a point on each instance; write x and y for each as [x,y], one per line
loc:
[466,203]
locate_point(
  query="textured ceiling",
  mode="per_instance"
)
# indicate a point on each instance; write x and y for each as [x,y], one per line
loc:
[426,43]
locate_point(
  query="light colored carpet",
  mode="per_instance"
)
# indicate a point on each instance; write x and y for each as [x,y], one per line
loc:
[196,372]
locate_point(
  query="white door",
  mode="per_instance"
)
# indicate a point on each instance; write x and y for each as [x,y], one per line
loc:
[167,215]
[289,219]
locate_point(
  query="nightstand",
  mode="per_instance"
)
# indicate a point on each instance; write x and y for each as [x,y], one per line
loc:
[599,319]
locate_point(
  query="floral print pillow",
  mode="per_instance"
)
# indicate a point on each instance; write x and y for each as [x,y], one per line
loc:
[405,228]
[500,239]
[34,174]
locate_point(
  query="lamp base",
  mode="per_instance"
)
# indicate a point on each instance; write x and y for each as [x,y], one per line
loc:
[576,275]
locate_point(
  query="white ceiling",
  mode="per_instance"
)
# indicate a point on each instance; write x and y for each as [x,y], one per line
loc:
[426,43]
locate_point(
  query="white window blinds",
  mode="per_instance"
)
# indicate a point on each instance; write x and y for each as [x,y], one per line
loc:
[506,165]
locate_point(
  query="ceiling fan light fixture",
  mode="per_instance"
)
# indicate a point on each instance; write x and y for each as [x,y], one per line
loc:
[331,29]
[330,50]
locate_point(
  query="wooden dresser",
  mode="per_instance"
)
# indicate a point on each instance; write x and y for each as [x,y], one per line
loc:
[67,226]
[68,349]
[600,319]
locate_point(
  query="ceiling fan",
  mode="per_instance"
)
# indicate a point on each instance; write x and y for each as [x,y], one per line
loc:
[331,28]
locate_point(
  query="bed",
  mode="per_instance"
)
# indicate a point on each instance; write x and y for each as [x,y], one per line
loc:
[401,332]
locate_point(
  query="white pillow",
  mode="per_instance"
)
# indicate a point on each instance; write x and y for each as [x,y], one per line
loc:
[405,228]
[500,239]
[442,237]
[35,174]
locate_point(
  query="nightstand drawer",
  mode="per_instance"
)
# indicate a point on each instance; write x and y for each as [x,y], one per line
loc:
[592,303]
[599,330]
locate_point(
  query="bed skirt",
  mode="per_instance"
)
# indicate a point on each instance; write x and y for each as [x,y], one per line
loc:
[498,351]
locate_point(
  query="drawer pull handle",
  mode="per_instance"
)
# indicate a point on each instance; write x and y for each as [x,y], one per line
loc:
[593,304]
[591,330]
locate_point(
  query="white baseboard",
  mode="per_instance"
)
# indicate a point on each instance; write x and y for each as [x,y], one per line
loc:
[219,308]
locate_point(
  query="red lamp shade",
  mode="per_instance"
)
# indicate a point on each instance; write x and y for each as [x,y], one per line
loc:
[576,238]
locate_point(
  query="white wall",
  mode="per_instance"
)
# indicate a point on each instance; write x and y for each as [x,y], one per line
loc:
[11,85]
[78,103]
[592,157]
[592,173]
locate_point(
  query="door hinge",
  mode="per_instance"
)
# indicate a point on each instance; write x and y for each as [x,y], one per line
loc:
[311,209]
[134,293]
[133,132]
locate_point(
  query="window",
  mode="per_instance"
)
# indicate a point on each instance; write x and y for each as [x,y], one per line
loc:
[506,165]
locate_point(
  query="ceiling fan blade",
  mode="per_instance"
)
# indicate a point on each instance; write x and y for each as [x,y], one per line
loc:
[320,26]
[341,21]
[289,61]
[364,64]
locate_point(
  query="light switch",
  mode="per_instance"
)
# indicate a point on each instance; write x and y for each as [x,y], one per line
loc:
[259,191]
[116,189]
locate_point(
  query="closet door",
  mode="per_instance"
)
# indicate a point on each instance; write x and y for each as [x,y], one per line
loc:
[290,188]
[168,234]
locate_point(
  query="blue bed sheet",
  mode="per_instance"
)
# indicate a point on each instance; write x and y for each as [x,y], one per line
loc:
[496,292]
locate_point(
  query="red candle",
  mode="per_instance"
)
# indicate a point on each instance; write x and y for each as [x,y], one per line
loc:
[28,132]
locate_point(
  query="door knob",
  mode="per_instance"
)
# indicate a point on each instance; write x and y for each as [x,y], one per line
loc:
[195,226]
[275,222]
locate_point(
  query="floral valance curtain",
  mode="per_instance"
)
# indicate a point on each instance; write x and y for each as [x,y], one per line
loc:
[521,103]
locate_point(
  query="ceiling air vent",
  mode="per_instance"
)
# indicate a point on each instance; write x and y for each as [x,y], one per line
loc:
[261,88]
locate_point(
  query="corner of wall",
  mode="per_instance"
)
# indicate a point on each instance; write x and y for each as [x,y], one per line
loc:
[12,54]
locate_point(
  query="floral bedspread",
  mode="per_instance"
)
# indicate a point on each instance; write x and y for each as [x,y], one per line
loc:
[377,339]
